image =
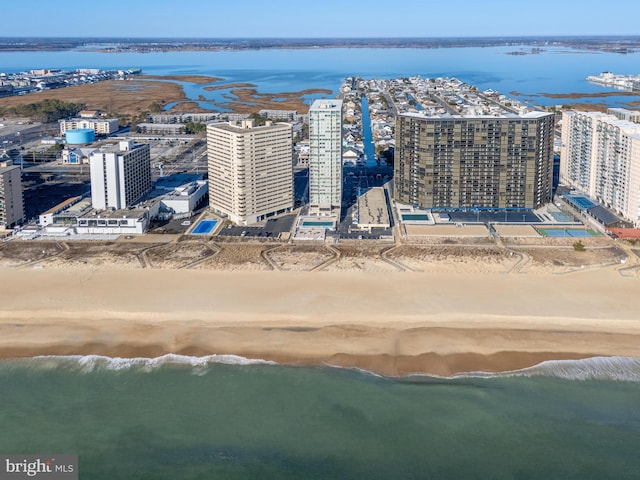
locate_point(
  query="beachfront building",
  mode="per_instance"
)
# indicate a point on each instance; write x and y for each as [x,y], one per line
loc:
[250,170]
[601,157]
[325,157]
[11,203]
[120,174]
[459,161]
[101,126]
[75,216]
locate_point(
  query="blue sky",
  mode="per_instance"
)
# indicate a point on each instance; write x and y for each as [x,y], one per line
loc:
[318,18]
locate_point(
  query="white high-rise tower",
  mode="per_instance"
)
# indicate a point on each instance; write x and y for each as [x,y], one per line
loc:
[250,170]
[325,157]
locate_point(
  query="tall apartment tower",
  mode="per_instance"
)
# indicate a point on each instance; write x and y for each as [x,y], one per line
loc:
[11,203]
[250,170]
[458,161]
[120,175]
[325,156]
[601,157]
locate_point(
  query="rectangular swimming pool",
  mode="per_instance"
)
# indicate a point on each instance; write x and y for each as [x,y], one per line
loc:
[412,217]
[311,223]
[204,227]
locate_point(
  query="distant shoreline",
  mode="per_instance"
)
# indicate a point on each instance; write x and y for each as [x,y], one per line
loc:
[615,44]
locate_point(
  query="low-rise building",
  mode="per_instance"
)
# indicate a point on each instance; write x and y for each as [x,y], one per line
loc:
[181,193]
[75,216]
[162,128]
[101,126]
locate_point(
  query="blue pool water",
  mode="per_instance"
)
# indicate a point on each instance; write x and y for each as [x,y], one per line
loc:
[317,224]
[407,217]
[583,203]
[205,227]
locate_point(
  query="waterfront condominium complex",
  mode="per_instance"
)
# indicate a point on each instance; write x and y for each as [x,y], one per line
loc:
[601,157]
[498,161]
[250,170]
[325,156]
[120,175]
[11,204]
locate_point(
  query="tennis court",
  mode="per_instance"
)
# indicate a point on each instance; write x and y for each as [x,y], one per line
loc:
[567,232]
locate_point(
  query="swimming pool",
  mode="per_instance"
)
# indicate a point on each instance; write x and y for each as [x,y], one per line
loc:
[311,223]
[204,227]
[413,217]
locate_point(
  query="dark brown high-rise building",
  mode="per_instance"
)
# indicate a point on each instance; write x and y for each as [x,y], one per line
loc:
[455,161]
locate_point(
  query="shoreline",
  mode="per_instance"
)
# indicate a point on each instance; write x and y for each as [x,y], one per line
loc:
[388,323]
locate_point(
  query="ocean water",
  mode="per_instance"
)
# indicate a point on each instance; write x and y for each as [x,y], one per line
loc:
[556,70]
[228,418]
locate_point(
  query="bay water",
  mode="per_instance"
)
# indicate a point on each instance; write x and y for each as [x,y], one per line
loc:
[555,70]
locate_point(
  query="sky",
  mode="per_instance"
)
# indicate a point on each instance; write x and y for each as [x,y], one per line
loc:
[317,18]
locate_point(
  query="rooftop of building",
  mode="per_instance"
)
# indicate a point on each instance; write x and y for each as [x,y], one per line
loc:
[630,127]
[326,104]
[372,208]
[89,119]
[8,168]
[623,110]
[248,125]
[123,213]
[453,98]
[120,146]
[176,180]
[506,115]
[162,125]
[62,205]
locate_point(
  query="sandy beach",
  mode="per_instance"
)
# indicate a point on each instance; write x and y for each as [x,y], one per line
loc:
[390,322]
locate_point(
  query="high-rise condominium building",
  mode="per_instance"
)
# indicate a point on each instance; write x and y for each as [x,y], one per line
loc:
[120,175]
[250,170]
[601,157]
[325,156]
[11,203]
[459,161]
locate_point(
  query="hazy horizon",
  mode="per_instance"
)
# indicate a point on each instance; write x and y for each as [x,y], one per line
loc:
[395,37]
[327,19]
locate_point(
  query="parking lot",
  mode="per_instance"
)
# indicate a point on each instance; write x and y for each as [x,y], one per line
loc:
[272,228]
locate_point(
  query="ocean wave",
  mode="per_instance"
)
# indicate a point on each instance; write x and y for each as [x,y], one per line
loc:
[594,368]
[91,363]
[625,369]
